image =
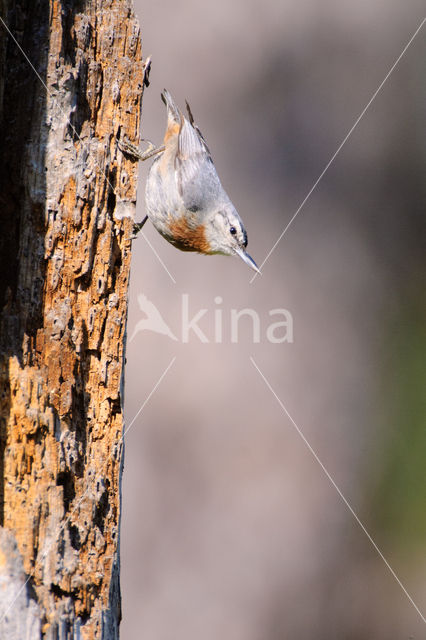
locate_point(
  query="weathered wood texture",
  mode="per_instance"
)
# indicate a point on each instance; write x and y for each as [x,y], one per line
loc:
[67,199]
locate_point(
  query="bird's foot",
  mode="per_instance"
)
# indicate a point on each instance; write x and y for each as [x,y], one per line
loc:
[138,226]
[136,153]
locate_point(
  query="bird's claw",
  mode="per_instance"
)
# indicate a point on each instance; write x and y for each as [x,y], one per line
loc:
[137,227]
[135,152]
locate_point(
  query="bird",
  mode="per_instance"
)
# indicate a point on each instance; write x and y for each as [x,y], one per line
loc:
[185,200]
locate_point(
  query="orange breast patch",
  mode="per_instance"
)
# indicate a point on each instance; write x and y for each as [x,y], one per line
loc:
[188,238]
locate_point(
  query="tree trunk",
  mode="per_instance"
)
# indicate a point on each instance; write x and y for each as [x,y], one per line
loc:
[67,201]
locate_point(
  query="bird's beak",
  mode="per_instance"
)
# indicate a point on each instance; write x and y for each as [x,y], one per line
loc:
[247,259]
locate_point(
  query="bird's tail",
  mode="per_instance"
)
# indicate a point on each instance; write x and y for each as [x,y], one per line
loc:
[174,118]
[173,112]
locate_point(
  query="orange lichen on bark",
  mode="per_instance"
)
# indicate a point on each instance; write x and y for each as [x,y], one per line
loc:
[61,364]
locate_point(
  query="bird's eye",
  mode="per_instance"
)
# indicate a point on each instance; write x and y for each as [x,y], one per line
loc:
[233,231]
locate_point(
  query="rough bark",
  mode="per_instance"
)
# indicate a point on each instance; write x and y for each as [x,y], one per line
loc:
[67,200]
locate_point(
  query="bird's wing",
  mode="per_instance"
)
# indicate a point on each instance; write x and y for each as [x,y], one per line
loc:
[197,180]
[197,129]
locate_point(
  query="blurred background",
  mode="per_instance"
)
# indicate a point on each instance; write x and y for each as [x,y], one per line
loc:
[230,528]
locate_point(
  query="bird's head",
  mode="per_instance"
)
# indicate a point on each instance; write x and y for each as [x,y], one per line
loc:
[225,234]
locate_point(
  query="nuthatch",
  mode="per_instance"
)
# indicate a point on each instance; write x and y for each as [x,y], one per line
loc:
[185,200]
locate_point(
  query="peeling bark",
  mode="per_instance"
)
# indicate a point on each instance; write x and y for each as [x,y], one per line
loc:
[67,201]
